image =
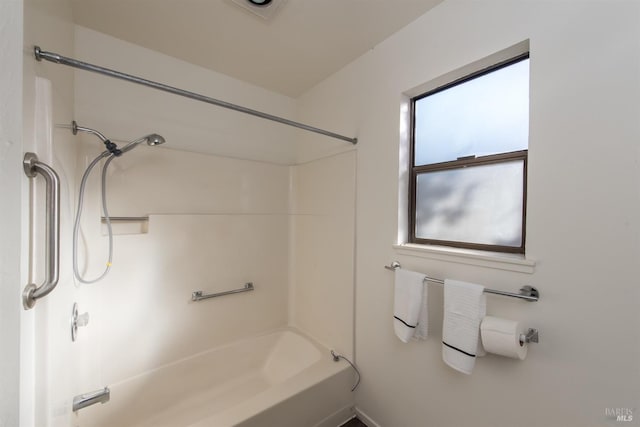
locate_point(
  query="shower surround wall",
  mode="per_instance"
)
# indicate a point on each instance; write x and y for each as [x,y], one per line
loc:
[322,250]
[215,221]
[200,236]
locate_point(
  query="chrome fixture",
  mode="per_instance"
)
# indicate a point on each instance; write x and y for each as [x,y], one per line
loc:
[88,399]
[111,147]
[337,357]
[151,140]
[124,219]
[198,295]
[59,59]
[77,321]
[75,128]
[528,293]
[530,336]
[31,292]
[110,153]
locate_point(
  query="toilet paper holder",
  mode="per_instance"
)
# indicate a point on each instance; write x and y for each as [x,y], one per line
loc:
[530,336]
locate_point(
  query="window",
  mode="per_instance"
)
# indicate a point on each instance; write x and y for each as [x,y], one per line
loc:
[469,147]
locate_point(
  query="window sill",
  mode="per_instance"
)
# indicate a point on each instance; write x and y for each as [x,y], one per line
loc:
[500,261]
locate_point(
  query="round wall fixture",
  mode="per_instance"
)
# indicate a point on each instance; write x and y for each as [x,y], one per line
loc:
[265,9]
[260,3]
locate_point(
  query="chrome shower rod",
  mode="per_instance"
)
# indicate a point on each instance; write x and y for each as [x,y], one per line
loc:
[59,59]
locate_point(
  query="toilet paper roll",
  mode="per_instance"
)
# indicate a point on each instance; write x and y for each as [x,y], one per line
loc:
[502,337]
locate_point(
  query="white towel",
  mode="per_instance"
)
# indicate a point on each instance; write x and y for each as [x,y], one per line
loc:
[465,306]
[410,305]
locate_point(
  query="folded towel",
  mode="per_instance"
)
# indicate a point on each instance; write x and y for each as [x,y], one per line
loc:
[465,306]
[409,305]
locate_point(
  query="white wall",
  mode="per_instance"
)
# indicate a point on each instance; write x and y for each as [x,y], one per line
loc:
[10,176]
[582,229]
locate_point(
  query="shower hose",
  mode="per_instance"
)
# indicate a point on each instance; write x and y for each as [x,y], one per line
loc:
[105,212]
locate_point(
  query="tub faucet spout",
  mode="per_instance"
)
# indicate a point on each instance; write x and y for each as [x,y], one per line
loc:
[88,399]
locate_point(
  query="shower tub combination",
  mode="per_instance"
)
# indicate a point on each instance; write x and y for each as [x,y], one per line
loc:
[282,379]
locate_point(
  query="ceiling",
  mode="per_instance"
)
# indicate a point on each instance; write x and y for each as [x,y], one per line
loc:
[302,44]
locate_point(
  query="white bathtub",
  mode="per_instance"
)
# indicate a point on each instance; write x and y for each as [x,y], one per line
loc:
[281,379]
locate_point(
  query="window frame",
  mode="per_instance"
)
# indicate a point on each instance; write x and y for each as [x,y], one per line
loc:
[461,163]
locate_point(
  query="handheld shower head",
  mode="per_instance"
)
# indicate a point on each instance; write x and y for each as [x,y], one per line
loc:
[111,153]
[153,139]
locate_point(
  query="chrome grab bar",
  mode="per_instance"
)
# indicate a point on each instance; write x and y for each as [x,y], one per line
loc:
[31,292]
[88,399]
[198,295]
[103,219]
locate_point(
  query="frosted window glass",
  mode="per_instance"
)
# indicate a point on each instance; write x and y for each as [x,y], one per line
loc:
[483,116]
[476,204]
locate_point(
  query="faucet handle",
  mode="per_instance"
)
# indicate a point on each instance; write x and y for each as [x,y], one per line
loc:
[83,319]
[77,321]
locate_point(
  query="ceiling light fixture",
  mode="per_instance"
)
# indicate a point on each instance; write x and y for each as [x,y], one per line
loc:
[265,9]
[260,3]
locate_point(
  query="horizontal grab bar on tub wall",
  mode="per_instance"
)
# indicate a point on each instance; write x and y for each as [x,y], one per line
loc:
[32,166]
[198,295]
[103,219]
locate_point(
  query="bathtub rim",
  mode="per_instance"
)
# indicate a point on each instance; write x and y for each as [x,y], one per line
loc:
[321,348]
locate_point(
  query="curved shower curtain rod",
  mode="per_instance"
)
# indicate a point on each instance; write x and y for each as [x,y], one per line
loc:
[59,59]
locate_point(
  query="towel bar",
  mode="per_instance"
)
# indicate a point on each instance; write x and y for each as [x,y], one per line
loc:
[527,293]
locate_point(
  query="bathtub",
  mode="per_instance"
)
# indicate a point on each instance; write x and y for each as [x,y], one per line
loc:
[281,379]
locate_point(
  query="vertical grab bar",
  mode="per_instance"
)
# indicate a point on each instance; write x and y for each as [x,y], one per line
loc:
[32,167]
